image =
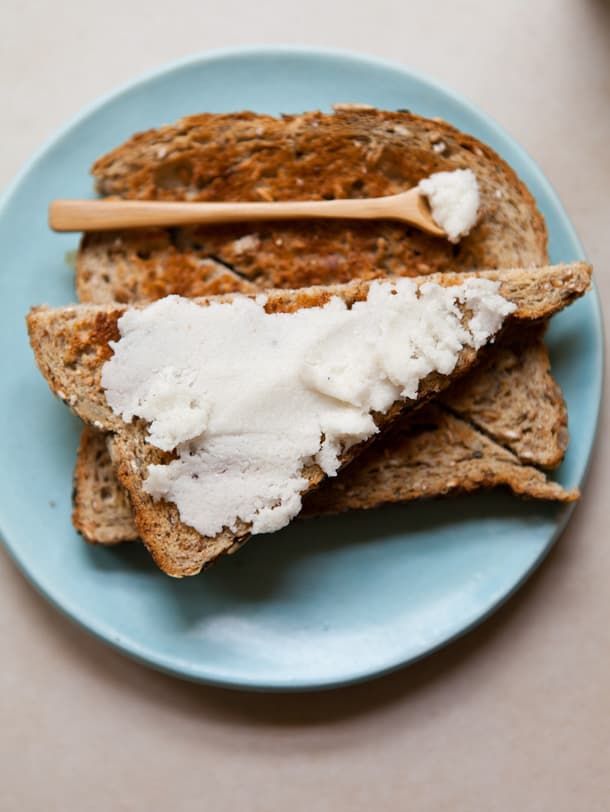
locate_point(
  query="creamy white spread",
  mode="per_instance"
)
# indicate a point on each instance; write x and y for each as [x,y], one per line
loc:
[454,201]
[247,398]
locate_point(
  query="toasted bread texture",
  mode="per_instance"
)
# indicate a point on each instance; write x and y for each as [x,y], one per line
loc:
[101,511]
[513,398]
[433,453]
[352,153]
[430,453]
[71,345]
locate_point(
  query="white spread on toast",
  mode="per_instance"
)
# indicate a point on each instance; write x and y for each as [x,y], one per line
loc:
[247,399]
[454,201]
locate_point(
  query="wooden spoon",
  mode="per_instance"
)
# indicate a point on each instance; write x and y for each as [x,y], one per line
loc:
[104,215]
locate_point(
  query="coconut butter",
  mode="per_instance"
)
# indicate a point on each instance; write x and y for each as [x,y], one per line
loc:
[247,398]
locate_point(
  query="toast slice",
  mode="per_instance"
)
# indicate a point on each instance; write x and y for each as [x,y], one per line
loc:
[433,453]
[511,393]
[430,453]
[72,344]
[352,153]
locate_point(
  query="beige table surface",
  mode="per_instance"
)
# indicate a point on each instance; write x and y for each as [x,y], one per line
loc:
[516,716]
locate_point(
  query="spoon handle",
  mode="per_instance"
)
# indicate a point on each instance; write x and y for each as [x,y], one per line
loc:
[104,215]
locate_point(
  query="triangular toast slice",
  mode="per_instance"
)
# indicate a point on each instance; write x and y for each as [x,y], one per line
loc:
[72,344]
[430,453]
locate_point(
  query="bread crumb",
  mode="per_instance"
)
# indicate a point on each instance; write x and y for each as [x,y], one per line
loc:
[249,242]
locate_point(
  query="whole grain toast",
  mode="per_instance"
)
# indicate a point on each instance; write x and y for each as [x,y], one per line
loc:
[432,452]
[354,152]
[101,512]
[513,398]
[512,389]
[71,345]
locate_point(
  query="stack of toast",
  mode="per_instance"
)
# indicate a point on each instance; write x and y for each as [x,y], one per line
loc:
[500,420]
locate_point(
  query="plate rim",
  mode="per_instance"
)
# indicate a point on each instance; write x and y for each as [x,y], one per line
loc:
[189,670]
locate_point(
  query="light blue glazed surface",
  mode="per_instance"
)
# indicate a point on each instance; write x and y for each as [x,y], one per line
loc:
[324,602]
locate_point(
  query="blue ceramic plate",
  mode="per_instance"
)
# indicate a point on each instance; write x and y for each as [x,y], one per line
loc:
[324,602]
